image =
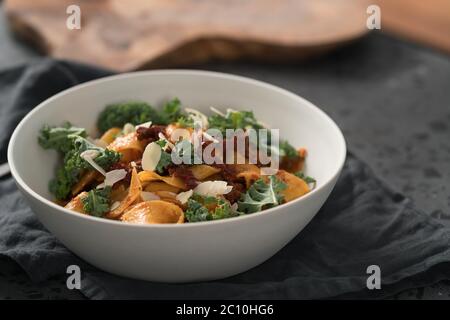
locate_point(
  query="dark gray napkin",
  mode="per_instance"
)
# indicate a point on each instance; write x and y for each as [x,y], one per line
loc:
[361,224]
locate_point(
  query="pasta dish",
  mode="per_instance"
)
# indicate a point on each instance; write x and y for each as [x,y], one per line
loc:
[174,165]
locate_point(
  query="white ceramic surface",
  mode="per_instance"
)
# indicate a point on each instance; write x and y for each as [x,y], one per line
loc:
[187,252]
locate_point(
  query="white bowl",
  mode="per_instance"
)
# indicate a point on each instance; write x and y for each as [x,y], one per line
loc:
[192,251]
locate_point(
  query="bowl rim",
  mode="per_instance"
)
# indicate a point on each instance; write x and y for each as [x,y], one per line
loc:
[190,72]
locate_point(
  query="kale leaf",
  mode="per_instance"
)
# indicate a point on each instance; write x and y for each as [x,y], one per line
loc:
[61,185]
[206,208]
[196,212]
[73,165]
[60,138]
[166,158]
[104,159]
[96,203]
[262,195]
[287,150]
[185,122]
[164,161]
[307,179]
[234,120]
[134,112]
[171,111]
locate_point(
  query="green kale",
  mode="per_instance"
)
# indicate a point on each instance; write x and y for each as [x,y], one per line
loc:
[96,203]
[61,185]
[234,120]
[196,212]
[73,165]
[134,112]
[166,158]
[262,195]
[105,158]
[206,208]
[287,150]
[223,210]
[307,179]
[171,111]
[185,122]
[164,161]
[60,138]
[162,143]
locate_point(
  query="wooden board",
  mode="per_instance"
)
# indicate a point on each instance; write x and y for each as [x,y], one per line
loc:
[128,35]
[427,21]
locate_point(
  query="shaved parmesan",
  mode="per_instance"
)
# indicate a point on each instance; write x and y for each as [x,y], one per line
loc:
[198,117]
[183,197]
[115,205]
[151,156]
[220,113]
[111,177]
[144,125]
[128,128]
[149,196]
[213,188]
[89,156]
[114,176]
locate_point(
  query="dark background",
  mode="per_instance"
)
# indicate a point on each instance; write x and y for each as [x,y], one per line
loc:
[391,99]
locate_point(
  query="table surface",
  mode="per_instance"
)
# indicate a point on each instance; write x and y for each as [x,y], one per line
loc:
[391,99]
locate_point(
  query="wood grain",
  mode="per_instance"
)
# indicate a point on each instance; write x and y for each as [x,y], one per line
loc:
[128,35]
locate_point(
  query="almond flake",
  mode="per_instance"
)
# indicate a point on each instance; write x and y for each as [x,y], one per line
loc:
[183,197]
[144,125]
[213,188]
[114,176]
[151,156]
